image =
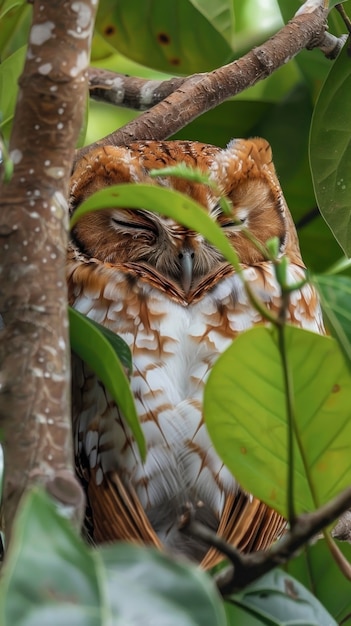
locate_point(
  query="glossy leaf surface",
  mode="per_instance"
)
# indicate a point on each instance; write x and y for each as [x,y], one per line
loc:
[245,413]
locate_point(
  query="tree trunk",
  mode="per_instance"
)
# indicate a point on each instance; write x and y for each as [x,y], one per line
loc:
[34,346]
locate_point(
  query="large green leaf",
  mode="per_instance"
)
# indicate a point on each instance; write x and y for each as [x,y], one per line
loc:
[165,201]
[330,150]
[168,42]
[277,599]
[153,589]
[50,577]
[245,413]
[105,352]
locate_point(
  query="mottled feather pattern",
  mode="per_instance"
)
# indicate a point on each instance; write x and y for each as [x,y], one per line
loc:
[178,304]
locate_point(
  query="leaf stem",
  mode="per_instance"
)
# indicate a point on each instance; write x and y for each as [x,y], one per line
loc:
[290,407]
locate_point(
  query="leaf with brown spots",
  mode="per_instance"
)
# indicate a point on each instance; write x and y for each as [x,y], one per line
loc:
[168,41]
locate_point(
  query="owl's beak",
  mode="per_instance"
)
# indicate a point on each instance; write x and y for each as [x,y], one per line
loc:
[186,258]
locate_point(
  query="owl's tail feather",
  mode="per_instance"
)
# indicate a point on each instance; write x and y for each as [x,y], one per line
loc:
[117,514]
[248,524]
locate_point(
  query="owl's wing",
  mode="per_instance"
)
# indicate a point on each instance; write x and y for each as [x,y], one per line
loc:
[114,511]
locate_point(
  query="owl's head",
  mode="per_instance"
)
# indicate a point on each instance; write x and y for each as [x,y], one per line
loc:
[244,174]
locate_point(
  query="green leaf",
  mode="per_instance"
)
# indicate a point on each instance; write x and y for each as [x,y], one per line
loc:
[335,296]
[330,150]
[315,569]
[10,70]
[104,351]
[245,413]
[14,27]
[50,577]
[147,587]
[280,600]
[168,42]
[161,200]
[9,5]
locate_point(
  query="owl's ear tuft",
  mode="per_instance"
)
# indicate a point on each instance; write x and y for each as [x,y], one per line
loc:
[103,166]
[256,149]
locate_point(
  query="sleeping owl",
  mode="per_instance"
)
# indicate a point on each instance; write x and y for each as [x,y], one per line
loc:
[178,304]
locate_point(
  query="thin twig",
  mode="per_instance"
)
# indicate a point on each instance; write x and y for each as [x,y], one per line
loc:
[290,408]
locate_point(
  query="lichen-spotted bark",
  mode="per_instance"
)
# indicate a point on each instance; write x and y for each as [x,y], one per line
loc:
[34,352]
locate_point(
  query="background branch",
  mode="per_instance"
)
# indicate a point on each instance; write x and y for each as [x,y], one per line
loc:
[202,92]
[130,91]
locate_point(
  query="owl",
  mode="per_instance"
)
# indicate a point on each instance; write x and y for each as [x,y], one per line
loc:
[178,304]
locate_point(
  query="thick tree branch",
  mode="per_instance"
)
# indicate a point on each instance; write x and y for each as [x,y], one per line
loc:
[34,347]
[246,568]
[142,94]
[202,92]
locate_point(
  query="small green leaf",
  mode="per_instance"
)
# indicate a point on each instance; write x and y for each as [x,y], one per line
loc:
[164,201]
[335,296]
[182,170]
[147,587]
[245,413]
[280,600]
[104,351]
[50,577]
[330,150]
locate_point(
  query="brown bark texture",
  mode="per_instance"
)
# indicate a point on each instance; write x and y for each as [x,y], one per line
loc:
[34,347]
